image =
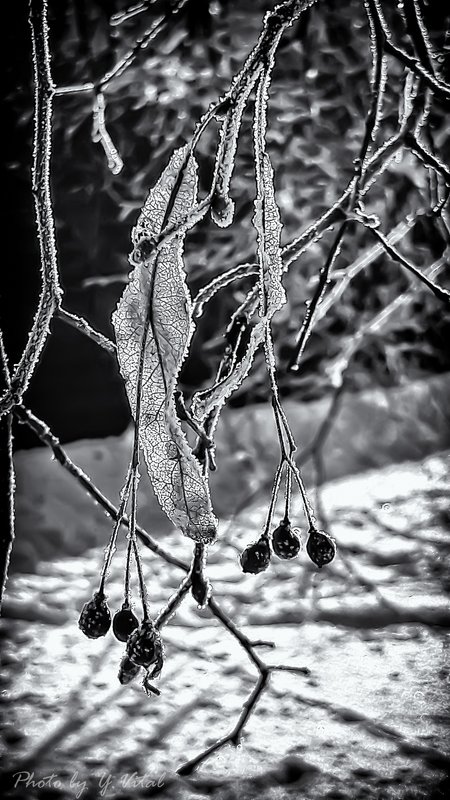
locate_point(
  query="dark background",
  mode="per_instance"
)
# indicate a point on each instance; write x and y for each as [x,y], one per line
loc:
[318,98]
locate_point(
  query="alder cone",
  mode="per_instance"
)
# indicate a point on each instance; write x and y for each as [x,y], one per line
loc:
[95,618]
[124,623]
[320,548]
[144,645]
[286,542]
[256,557]
[127,671]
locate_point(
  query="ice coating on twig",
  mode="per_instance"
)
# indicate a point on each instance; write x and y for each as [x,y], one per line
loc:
[222,207]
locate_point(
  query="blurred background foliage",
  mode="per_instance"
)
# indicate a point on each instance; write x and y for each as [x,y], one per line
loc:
[318,98]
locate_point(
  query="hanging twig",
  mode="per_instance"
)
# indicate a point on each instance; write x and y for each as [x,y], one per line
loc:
[100,134]
[377,81]
[439,87]
[43,432]
[130,56]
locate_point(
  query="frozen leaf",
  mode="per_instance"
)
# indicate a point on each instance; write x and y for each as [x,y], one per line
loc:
[153,326]
[222,207]
[268,227]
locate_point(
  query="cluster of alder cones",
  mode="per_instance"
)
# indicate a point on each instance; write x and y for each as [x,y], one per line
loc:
[286,543]
[144,647]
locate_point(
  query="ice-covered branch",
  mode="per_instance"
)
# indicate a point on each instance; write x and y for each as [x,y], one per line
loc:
[81,325]
[439,87]
[378,81]
[438,291]
[43,432]
[50,297]
[7,530]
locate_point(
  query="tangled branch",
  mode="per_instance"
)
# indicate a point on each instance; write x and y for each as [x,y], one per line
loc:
[151,348]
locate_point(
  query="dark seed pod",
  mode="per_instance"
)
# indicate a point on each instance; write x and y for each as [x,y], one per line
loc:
[144,646]
[256,557]
[201,589]
[286,542]
[124,623]
[95,617]
[320,547]
[222,209]
[127,671]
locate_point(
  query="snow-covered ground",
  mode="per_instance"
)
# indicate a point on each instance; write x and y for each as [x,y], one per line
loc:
[367,721]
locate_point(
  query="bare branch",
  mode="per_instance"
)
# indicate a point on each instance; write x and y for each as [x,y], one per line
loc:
[157,26]
[100,134]
[81,325]
[418,33]
[50,298]
[441,294]
[234,736]
[378,80]
[131,11]
[7,530]
[439,87]
[427,158]
[47,437]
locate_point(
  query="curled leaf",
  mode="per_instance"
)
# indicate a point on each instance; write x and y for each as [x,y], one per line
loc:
[153,327]
[222,207]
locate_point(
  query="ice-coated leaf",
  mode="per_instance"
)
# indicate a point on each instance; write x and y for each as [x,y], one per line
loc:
[268,228]
[153,327]
[222,207]
[273,297]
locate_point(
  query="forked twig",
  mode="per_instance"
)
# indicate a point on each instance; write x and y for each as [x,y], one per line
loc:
[255,71]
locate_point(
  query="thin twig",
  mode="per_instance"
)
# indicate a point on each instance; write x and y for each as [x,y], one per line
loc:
[235,735]
[100,134]
[131,11]
[157,26]
[51,293]
[43,432]
[378,80]
[7,530]
[81,325]
[427,158]
[418,34]
[439,87]
[440,293]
